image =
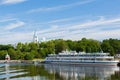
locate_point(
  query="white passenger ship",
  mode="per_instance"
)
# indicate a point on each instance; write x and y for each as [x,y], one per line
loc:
[72,57]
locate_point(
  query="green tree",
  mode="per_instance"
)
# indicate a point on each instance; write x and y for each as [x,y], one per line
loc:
[60,45]
[2,54]
[43,52]
[13,54]
[71,45]
[28,56]
[33,46]
[19,46]
[106,47]
[6,47]
[50,47]
[115,43]
[26,47]
[80,46]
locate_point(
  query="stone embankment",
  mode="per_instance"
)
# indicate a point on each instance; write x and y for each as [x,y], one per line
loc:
[21,61]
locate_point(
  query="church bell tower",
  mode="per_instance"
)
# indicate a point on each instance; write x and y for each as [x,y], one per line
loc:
[35,37]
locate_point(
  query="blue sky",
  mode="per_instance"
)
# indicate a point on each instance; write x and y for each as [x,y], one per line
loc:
[54,19]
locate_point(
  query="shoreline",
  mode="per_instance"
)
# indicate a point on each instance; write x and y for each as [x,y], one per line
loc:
[21,61]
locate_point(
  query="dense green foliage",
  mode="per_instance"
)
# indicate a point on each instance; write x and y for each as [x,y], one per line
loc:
[29,51]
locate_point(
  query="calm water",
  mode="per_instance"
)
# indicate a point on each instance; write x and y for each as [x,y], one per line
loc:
[58,72]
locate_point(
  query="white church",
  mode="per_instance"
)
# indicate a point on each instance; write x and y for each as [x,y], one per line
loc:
[36,39]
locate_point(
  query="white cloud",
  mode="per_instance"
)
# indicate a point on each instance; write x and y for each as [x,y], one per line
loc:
[7,19]
[100,35]
[11,1]
[15,37]
[14,25]
[98,29]
[93,29]
[60,7]
[95,23]
[61,20]
[100,23]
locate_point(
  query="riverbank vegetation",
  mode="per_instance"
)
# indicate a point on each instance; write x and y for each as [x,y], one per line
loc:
[29,51]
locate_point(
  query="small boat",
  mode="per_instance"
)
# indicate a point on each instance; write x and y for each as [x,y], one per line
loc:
[81,58]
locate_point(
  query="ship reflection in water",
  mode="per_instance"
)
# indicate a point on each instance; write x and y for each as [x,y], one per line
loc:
[58,72]
[76,72]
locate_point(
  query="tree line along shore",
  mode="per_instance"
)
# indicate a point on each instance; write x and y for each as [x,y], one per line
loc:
[30,51]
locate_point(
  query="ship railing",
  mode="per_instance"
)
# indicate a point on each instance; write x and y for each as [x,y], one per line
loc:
[79,54]
[65,57]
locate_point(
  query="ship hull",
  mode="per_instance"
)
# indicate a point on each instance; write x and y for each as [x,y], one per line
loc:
[95,63]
